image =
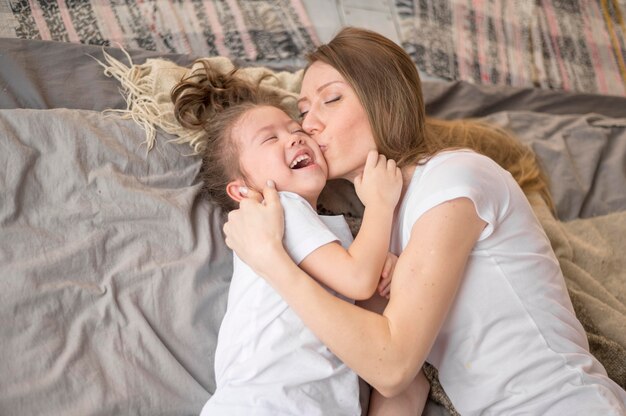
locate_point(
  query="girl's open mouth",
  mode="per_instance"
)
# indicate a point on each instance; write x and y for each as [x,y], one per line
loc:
[301,161]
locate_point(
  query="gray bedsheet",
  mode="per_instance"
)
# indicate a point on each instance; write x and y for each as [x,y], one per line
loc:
[113,271]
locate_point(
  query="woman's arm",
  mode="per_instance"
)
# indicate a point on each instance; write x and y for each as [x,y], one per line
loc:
[386,350]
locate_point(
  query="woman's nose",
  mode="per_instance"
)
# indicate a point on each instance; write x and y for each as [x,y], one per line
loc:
[311,124]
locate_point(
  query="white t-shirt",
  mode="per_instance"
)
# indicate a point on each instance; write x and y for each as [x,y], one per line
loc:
[267,362]
[511,343]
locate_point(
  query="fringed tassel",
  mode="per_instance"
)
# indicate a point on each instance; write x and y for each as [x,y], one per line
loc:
[146,89]
[142,104]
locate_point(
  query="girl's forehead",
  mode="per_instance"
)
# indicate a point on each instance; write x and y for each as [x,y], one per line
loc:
[259,121]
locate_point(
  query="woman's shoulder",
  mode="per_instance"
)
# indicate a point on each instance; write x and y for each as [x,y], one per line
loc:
[465,157]
[458,166]
[458,173]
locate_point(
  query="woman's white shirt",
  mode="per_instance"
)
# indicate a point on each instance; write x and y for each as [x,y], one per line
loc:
[267,363]
[511,343]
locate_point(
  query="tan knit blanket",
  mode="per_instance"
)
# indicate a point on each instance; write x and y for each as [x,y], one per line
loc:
[592,252]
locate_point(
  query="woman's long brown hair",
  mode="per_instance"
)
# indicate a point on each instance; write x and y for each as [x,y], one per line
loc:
[388,85]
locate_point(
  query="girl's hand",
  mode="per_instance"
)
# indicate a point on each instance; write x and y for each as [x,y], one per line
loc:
[380,182]
[256,228]
[384,286]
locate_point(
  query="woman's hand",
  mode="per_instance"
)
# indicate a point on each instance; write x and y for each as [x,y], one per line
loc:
[255,230]
[380,182]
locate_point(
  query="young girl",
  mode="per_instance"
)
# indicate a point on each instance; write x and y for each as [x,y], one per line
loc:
[267,362]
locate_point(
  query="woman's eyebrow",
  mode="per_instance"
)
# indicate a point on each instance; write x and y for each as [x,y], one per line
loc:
[319,89]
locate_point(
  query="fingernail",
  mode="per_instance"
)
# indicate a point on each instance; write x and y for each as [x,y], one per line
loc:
[243,190]
[271,183]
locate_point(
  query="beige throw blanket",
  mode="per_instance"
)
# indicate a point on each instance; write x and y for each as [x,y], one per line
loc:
[147,88]
[592,252]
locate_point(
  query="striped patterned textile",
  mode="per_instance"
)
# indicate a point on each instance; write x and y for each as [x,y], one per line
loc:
[572,45]
[250,30]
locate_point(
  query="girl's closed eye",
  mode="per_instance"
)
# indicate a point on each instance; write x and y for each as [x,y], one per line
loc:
[269,139]
[332,100]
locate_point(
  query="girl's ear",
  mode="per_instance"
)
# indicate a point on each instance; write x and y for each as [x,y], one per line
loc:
[234,190]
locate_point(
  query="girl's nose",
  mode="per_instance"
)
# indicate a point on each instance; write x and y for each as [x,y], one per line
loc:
[297,140]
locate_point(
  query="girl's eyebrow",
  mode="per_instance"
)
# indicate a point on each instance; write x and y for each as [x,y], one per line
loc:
[319,89]
[258,135]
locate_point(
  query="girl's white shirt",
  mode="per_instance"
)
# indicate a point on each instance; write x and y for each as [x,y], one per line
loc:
[267,363]
[511,343]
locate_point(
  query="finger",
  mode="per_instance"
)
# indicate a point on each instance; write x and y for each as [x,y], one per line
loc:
[372,158]
[393,267]
[270,194]
[391,165]
[383,291]
[382,160]
[251,194]
[386,290]
[386,268]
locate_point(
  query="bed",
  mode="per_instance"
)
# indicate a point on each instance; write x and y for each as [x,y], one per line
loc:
[113,269]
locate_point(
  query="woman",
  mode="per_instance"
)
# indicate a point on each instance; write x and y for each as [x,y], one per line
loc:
[477,290]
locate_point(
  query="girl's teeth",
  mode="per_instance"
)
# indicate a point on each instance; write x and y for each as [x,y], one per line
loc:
[298,159]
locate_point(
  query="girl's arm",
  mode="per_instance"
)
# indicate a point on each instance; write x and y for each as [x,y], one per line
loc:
[356,272]
[386,350]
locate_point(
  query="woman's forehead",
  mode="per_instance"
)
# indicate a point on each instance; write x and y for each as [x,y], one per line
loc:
[318,74]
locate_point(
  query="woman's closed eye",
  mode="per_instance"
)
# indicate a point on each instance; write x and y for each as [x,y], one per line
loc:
[304,113]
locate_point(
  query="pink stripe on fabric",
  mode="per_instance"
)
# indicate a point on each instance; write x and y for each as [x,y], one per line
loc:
[151,24]
[498,22]
[304,18]
[458,19]
[108,21]
[481,40]
[216,27]
[537,54]
[596,61]
[172,18]
[67,21]
[605,50]
[553,71]
[40,21]
[248,46]
[517,56]
[554,32]
[197,42]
